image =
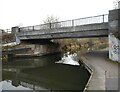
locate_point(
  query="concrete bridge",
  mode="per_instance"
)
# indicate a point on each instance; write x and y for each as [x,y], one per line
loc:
[97,26]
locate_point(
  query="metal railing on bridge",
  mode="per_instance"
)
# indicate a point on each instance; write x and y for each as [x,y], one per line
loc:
[68,23]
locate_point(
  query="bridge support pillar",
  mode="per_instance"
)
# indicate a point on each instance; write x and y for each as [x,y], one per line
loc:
[114,35]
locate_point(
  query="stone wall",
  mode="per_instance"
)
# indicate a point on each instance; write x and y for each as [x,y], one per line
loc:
[114,48]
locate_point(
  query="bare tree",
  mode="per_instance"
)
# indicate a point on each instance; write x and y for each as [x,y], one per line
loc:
[51,22]
[51,19]
[115,4]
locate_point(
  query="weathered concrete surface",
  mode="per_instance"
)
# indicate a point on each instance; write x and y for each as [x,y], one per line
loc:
[90,30]
[114,21]
[114,30]
[105,72]
[39,50]
[17,51]
[114,48]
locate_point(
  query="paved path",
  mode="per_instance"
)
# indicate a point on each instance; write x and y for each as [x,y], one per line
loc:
[105,72]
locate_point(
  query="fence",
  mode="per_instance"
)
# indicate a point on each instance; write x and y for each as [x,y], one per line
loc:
[68,23]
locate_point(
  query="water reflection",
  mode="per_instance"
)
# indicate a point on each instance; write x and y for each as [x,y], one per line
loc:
[44,74]
[7,85]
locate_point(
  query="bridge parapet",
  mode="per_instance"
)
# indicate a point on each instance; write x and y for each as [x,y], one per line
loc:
[68,23]
[82,24]
[98,26]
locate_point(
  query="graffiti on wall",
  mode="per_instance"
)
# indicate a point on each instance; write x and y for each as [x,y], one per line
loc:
[114,48]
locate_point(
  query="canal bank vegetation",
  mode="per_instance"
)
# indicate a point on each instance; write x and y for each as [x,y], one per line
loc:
[11,51]
[8,37]
[83,45]
[6,50]
[9,45]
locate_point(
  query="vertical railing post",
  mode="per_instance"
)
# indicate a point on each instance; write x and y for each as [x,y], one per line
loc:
[33,28]
[103,19]
[72,23]
[50,25]
[27,28]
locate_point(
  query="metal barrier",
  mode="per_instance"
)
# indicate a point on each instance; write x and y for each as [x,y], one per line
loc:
[91,20]
[68,23]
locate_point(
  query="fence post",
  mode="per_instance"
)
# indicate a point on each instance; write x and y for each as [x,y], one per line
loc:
[103,19]
[73,23]
[50,25]
[33,28]
[27,28]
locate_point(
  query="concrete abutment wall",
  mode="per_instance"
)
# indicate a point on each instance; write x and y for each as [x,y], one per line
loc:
[38,49]
[114,35]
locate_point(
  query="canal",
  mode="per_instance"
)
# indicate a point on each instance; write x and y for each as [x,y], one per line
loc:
[55,72]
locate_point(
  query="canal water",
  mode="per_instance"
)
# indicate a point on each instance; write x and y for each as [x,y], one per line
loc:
[55,72]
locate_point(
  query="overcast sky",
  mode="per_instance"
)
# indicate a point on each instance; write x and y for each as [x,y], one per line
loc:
[33,12]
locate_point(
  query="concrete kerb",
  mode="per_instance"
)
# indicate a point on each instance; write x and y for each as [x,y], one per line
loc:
[82,58]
